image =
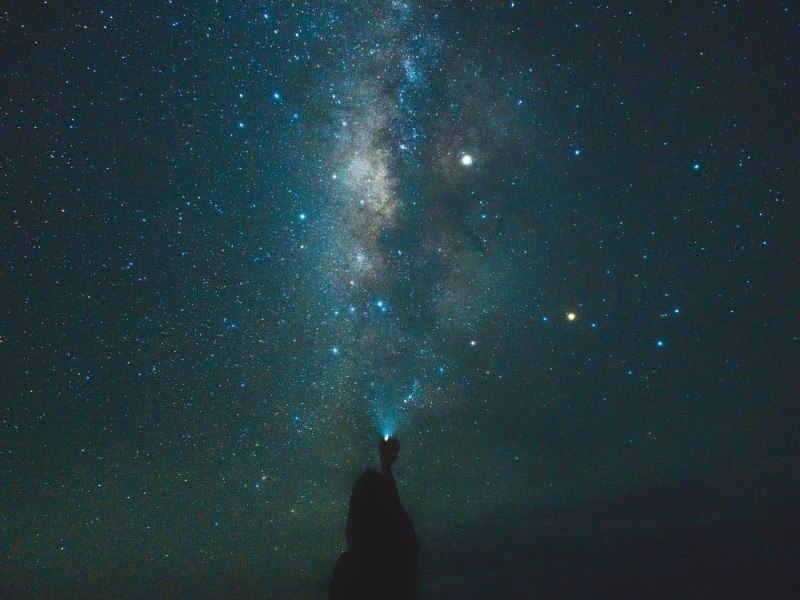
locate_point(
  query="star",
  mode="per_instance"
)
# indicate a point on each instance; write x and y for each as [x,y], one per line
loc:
[315,230]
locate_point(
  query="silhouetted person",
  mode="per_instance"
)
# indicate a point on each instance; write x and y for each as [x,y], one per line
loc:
[381,560]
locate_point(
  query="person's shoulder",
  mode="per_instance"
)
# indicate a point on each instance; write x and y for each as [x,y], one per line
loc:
[345,560]
[349,576]
[349,565]
[342,575]
[354,563]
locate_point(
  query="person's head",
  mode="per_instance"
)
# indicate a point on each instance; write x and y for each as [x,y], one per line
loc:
[369,521]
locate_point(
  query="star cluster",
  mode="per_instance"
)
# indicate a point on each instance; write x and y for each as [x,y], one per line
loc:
[550,247]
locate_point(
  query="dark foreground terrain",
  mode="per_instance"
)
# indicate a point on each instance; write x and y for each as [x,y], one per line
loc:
[663,543]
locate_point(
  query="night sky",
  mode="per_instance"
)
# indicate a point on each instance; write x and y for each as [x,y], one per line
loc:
[551,247]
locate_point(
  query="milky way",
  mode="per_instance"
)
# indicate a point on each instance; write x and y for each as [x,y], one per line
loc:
[549,246]
[377,230]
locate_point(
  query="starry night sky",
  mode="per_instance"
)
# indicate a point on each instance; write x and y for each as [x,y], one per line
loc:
[550,246]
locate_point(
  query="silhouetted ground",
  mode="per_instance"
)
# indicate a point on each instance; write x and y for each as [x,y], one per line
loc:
[690,543]
[663,543]
[722,560]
